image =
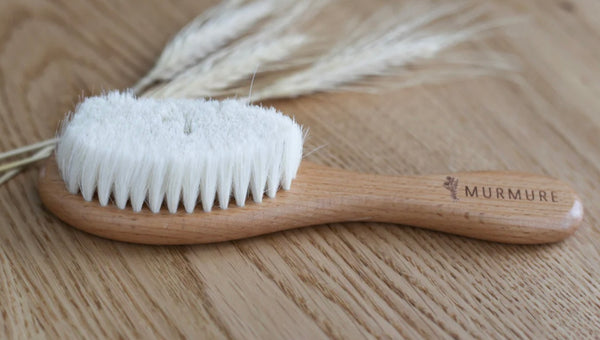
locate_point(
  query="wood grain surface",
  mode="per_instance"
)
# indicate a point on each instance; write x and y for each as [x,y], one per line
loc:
[354,280]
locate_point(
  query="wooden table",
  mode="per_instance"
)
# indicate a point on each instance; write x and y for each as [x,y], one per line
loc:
[341,281]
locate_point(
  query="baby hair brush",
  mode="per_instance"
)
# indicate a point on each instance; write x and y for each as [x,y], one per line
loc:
[139,152]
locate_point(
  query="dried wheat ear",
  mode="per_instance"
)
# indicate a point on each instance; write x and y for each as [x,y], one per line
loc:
[222,51]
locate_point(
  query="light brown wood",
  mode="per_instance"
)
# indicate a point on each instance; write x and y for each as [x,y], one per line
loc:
[341,281]
[495,206]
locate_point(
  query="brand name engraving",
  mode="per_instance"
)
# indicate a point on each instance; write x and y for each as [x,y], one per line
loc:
[510,194]
[499,193]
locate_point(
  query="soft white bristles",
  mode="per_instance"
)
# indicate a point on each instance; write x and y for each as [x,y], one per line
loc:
[145,150]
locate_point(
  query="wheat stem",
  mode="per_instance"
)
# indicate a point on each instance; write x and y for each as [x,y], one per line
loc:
[44,150]
[28,148]
[43,153]
[8,175]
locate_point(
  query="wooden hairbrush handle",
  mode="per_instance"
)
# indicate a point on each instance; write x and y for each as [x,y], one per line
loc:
[496,206]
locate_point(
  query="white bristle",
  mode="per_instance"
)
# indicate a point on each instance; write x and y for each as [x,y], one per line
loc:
[140,150]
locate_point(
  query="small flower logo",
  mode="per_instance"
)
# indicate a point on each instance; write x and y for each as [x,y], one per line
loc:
[451,184]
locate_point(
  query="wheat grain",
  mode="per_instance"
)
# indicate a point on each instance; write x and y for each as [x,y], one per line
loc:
[272,46]
[238,66]
[204,35]
[383,51]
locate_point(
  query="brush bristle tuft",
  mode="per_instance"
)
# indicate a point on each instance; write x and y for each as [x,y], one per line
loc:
[143,150]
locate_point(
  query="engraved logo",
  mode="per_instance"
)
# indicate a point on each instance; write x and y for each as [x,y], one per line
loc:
[451,184]
[510,193]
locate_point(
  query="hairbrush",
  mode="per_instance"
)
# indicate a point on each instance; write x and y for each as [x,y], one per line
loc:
[138,169]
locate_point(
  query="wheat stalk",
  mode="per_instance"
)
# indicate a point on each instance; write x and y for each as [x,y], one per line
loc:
[238,66]
[28,148]
[382,52]
[207,33]
[13,168]
[382,46]
[229,44]
[270,47]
